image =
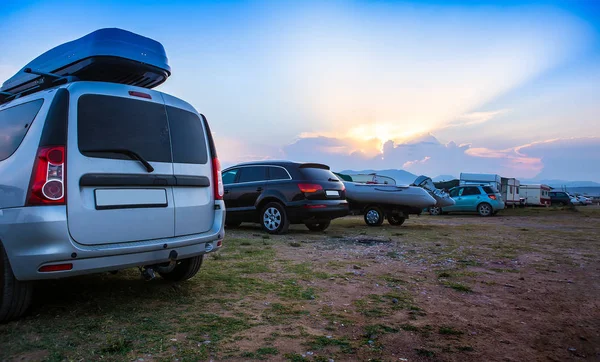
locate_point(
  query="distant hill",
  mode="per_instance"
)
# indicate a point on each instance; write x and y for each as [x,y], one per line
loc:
[402,177]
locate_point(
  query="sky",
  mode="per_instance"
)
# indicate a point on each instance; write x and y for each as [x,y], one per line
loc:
[431,87]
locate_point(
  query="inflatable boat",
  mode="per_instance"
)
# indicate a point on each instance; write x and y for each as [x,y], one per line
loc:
[442,198]
[408,197]
[107,55]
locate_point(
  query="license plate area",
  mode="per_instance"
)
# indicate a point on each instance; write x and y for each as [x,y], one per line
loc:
[332,193]
[110,199]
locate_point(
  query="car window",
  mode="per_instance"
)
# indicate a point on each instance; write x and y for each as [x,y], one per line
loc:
[229,176]
[278,173]
[454,192]
[252,174]
[14,124]
[317,174]
[187,136]
[468,191]
[488,190]
[107,122]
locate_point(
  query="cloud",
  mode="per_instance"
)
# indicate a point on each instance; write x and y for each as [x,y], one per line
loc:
[408,164]
[573,158]
[475,118]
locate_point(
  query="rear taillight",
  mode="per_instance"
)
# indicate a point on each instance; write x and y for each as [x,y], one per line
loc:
[48,179]
[55,268]
[493,197]
[310,188]
[217,179]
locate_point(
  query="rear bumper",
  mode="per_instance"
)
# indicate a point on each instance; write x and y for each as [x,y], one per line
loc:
[38,236]
[317,210]
[498,205]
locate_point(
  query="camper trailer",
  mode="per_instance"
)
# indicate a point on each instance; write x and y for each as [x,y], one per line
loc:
[481,179]
[510,191]
[535,195]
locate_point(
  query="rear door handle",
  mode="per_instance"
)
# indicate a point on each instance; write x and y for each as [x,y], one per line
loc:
[259,189]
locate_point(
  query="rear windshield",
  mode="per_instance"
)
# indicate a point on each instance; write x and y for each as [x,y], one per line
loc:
[106,122]
[187,135]
[14,124]
[488,190]
[318,174]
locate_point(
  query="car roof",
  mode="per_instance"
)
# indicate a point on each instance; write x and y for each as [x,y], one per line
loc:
[279,163]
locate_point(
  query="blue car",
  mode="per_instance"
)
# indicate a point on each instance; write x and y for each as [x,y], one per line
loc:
[482,199]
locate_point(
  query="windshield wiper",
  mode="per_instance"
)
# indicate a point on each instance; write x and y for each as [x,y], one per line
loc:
[133,155]
[333,180]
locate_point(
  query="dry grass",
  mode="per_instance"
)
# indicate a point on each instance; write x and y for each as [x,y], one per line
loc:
[446,288]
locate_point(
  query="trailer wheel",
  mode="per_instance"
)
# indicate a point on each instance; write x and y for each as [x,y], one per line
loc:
[435,211]
[395,219]
[320,226]
[373,216]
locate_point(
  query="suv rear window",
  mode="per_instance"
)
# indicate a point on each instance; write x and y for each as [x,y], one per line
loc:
[317,174]
[278,173]
[14,124]
[187,135]
[106,122]
[488,190]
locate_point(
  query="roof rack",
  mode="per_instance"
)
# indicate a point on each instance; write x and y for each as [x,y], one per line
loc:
[106,55]
[45,81]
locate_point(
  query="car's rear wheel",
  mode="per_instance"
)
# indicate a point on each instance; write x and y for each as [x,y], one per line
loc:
[320,226]
[184,270]
[396,220]
[373,216]
[485,209]
[274,218]
[15,296]
[435,211]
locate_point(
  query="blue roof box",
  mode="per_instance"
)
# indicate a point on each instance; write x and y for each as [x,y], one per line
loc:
[107,55]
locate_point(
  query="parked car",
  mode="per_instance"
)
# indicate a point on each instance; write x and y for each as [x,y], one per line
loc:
[560,198]
[100,176]
[483,199]
[277,194]
[583,201]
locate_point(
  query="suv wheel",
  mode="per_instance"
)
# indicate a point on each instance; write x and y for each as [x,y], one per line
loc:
[395,219]
[184,270]
[434,210]
[321,226]
[15,296]
[274,218]
[485,209]
[373,216]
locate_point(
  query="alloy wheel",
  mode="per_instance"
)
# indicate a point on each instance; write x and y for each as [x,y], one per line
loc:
[272,218]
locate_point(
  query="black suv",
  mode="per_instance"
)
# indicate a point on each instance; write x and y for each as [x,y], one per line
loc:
[559,198]
[277,194]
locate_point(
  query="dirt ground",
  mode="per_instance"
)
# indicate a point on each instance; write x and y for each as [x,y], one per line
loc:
[521,286]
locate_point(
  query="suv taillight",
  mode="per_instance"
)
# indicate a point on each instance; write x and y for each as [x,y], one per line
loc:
[217,179]
[310,188]
[493,197]
[48,180]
